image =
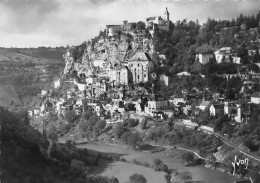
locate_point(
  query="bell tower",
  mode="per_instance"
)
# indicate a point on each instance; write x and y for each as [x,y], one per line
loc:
[166,15]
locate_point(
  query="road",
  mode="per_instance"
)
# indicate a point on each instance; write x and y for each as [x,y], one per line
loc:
[222,138]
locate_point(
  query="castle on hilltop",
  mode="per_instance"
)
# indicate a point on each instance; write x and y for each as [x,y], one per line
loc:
[162,22]
[127,27]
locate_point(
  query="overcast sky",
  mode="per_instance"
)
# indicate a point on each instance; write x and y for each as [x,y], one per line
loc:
[33,23]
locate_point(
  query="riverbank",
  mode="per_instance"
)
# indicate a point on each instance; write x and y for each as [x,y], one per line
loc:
[123,170]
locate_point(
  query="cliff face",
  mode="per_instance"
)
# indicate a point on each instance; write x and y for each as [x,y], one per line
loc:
[111,50]
[79,59]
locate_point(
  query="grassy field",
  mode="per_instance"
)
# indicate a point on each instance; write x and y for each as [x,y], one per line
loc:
[123,170]
[16,57]
[199,173]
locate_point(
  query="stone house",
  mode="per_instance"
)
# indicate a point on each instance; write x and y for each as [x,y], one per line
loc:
[204,104]
[255,98]
[204,58]
[156,104]
[216,109]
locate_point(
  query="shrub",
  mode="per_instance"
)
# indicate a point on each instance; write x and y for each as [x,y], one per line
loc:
[123,160]
[251,145]
[101,124]
[131,122]
[186,176]
[147,165]
[70,116]
[75,163]
[137,178]
[118,130]
[134,140]
[167,178]
[159,165]
[188,157]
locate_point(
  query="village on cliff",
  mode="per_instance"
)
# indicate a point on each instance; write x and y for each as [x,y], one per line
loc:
[109,76]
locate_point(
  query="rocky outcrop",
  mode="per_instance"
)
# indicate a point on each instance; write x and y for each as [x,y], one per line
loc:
[113,50]
[80,61]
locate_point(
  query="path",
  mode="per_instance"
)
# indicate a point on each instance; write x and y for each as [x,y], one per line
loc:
[222,138]
[180,148]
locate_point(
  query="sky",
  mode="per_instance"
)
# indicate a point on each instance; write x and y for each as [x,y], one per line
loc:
[34,23]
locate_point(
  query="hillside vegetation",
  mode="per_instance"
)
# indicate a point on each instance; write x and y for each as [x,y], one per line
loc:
[8,96]
[28,71]
[23,157]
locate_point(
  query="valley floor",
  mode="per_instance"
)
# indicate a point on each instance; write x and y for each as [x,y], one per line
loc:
[123,170]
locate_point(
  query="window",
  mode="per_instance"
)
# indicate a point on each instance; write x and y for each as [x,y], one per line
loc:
[137,65]
[144,75]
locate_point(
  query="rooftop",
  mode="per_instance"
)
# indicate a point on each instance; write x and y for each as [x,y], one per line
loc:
[218,106]
[141,56]
[256,95]
[205,103]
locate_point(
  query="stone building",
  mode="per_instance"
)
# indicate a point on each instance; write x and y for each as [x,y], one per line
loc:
[162,22]
[119,75]
[114,29]
[140,66]
[255,98]
[204,58]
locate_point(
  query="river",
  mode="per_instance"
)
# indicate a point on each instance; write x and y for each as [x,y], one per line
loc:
[123,170]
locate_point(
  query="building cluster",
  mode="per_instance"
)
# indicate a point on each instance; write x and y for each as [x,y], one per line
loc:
[160,22]
[222,55]
[110,80]
[251,44]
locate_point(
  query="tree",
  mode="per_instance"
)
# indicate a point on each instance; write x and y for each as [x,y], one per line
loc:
[70,144]
[137,178]
[211,160]
[101,124]
[140,25]
[159,165]
[134,140]
[70,116]
[131,122]
[188,157]
[86,115]
[251,145]
[219,123]
[118,130]
[143,124]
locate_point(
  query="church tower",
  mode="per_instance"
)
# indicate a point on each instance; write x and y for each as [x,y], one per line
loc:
[166,15]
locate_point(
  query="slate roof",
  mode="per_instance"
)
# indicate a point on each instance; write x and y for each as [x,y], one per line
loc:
[150,18]
[155,97]
[218,106]
[256,95]
[205,103]
[141,56]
